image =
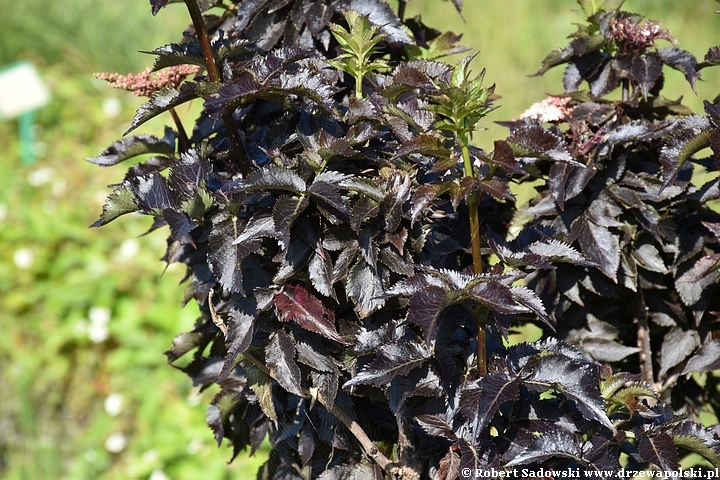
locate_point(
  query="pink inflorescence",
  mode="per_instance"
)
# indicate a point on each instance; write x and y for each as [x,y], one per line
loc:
[145,83]
[633,37]
[552,109]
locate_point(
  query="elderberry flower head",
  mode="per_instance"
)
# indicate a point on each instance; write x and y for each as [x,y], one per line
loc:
[552,109]
[633,37]
[145,83]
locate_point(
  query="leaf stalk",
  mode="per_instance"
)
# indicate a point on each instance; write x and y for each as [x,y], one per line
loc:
[367,444]
[237,147]
[476,247]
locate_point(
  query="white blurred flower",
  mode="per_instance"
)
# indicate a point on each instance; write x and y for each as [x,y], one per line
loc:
[111,107]
[23,258]
[113,404]
[116,442]
[99,315]
[129,248]
[98,330]
[158,475]
[3,212]
[552,109]
[40,177]
[97,333]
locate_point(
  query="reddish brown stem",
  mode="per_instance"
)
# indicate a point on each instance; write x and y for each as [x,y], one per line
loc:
[643,343]
[476,248]
[203,39]
[237,147]
[367,444]
[184,142]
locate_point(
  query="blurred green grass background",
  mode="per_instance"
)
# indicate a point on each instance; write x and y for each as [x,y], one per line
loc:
[85,314]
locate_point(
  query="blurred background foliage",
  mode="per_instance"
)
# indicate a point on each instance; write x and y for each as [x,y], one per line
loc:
[85,314]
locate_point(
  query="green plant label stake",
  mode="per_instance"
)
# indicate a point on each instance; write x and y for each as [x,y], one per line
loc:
[23,92]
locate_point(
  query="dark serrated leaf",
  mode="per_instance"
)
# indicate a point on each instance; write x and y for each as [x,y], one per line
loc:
[172,54]
[357,471]
[538,142]
[528,298]
[423,197]
[426,144]
[504,157]
[648,257]
[645,71]
[712,58]
[436,426]
[280,358]
[272,84]
[606,80]
[606,350]
[392,206]
[696,286]
[382,15]
[287,209]
[482,400]
[327,385]
[157,5]
[153,194]
[328,197]
[240,321]
[185,342]
[224,255]
[121,201]
[554,58]
[204,371]
[297,304]
[365,288]
[320,270]
[576,380]
[306,444]
[130,147]
[316,358]
[659,449]
[601,247]
[481,455]
[274,177]
[497,297]
[549,445]
[162,101]
[681,60]
[219,412]
[395,359]
[696,438]
[449,466]
[677,345]
[395,262]
[706,359]
[556,251]
[261,384]
[425,308]
[180,226]
[689,135]
[189,174]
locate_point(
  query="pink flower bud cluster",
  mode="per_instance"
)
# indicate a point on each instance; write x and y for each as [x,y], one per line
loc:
[633,37]
[552,109]
[145,83]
